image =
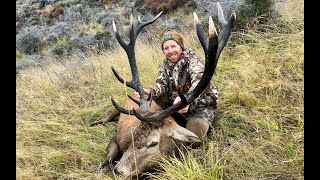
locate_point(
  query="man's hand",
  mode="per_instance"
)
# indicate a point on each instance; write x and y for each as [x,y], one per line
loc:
[183,110]
[146,93]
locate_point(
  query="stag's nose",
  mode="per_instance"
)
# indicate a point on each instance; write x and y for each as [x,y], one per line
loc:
[121,170]
[104,164]
[116,170]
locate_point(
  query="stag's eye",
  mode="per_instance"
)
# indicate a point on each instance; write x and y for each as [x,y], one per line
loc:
[152,144]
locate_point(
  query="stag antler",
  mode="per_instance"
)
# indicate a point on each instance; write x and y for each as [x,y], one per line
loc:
[212,49]
[135,84]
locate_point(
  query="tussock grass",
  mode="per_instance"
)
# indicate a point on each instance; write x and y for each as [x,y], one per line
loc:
[258,133]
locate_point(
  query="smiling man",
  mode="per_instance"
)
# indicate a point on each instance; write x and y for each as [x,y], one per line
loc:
[181,66]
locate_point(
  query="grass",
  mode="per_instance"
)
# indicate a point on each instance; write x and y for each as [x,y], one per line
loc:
[55,106]
[259,128]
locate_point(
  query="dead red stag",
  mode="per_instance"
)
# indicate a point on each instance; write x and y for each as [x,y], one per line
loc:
[144,133]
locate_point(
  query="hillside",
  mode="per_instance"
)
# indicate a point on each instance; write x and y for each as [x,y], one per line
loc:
[258,131]
[47,30]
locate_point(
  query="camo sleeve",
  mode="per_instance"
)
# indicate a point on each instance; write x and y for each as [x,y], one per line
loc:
[161,85]
[196,69]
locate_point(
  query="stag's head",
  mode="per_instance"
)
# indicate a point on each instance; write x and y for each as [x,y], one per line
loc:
[151,143]
[158,133]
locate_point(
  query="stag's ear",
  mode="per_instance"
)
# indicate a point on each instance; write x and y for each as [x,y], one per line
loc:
[183,134]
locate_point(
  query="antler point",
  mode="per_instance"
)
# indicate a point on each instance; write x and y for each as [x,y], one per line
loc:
[233,14]
[131,21]
[212,28]
[196,19]
[114,26]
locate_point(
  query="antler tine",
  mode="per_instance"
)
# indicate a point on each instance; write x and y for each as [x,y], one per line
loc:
[221,18]
[213,46]
[121,109]
[119,39]
[134,100]
[226,28]
[141,24]
[203,40]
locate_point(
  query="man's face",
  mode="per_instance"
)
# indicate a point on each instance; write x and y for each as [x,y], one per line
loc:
[172,50]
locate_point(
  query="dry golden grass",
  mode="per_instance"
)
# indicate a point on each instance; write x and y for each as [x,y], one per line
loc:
[56,104]
[258,134]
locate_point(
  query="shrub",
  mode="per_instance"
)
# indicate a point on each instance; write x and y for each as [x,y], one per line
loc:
[210,7]
[55,13]
[257,12]
[103,39]
[30,43]
[164,5]
[62,50]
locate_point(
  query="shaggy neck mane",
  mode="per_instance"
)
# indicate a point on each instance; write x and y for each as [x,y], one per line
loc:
[141,134]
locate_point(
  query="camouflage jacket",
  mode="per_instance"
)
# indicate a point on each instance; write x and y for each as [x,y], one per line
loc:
[188,71]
